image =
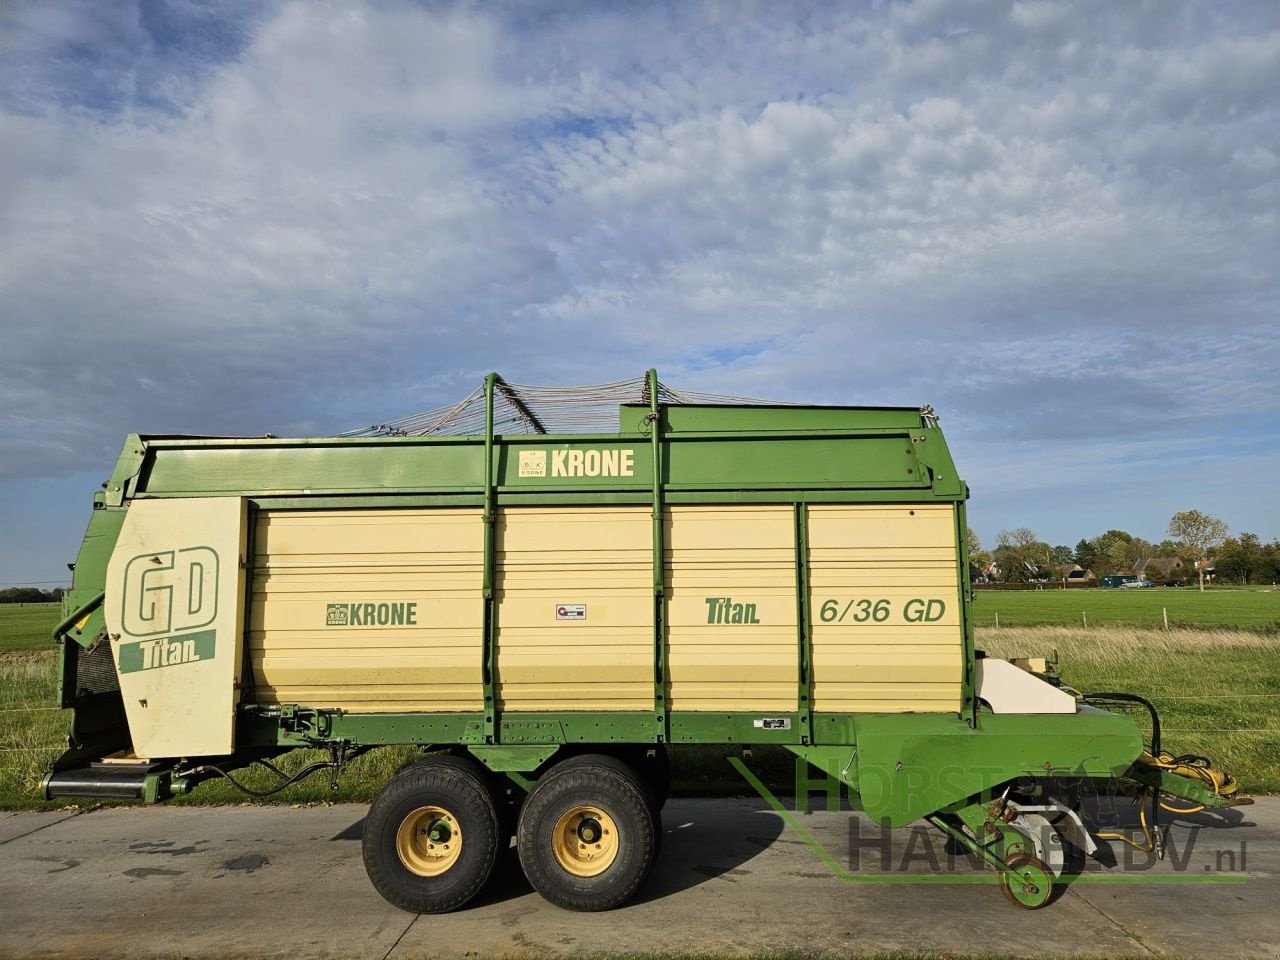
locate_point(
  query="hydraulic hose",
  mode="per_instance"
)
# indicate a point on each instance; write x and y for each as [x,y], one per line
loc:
[1148,836]
[1132,698]
[249,791]
[1189,765]
[1150,832]
[1193,767]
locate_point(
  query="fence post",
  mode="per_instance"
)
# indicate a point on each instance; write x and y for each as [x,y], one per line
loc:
[997,620]
[1084,616]
[1165,611]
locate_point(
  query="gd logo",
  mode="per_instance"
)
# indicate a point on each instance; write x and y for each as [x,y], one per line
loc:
[170,591]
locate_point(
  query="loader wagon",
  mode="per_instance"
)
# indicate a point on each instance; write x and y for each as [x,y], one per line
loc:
[546,611]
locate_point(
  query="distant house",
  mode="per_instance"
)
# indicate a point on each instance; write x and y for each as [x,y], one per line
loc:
[1073,573]
[1164,568]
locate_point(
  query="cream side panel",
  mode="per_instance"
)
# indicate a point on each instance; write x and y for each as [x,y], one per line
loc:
[892,528]
[598,558]
[883,573]
[419,570]
[886,612]
[742,560]
[174,611]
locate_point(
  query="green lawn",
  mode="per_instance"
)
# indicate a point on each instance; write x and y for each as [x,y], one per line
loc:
[1218,691]
[1216,607]
[32,730]
[27,626]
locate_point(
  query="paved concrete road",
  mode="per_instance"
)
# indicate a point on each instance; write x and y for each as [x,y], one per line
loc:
[733,877]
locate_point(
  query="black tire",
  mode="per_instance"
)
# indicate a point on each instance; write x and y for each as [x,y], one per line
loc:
[465,765]
[502,803]
[643,777]
[449,795]
[601,792]
[631,771]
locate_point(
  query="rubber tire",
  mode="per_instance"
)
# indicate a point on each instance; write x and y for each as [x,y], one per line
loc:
[630,770]
[634,772]
[458,785]
[470,765]
[614,787]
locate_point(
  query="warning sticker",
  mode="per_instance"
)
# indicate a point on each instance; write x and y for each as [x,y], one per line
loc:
[773,723]
[571,611]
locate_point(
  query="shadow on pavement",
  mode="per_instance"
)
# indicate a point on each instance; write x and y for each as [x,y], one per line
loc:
[697,848]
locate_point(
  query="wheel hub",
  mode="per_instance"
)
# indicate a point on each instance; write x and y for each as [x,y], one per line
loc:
[585,841]
[1032,887]
[429,841]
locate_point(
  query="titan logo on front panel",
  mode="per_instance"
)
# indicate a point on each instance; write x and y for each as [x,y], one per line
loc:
[168,596]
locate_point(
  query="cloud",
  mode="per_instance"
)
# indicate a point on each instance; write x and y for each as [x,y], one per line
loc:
[1058,223]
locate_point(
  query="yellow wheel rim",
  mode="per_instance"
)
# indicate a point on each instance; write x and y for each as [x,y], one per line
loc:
[429,841]
[585,841]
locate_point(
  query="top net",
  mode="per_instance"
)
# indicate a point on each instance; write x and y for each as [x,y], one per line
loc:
[521,408]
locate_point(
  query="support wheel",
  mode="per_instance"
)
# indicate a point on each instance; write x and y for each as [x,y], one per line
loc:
[1032,888]
[587,834]
[431,838]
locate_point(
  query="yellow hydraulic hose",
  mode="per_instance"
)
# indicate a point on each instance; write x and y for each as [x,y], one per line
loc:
[1193,768]
[1148,842]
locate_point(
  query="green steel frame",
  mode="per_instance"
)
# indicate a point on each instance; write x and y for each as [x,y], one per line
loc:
[654,421]
[682,454]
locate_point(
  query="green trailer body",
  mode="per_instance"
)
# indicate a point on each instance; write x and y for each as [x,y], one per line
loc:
[537,608]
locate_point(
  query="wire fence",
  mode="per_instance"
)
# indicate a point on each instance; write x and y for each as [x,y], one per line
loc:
[54,746]
[26,709]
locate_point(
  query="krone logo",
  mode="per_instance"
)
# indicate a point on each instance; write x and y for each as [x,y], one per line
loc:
[566,462]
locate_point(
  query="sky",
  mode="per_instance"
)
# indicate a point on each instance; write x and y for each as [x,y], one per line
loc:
[1055,223]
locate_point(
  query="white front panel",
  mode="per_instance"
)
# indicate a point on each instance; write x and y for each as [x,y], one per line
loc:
[174,610]
[1010,689]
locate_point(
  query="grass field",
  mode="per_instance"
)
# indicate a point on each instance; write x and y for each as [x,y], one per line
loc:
[1257,609]
[32,729]
[27,626]
[33,733]
[1218,692]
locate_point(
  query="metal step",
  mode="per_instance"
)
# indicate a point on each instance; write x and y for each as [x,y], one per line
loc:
[104,781]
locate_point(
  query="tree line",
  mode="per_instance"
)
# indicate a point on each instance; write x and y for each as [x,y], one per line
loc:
[1020,556]
[30,595]
[1198,539]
